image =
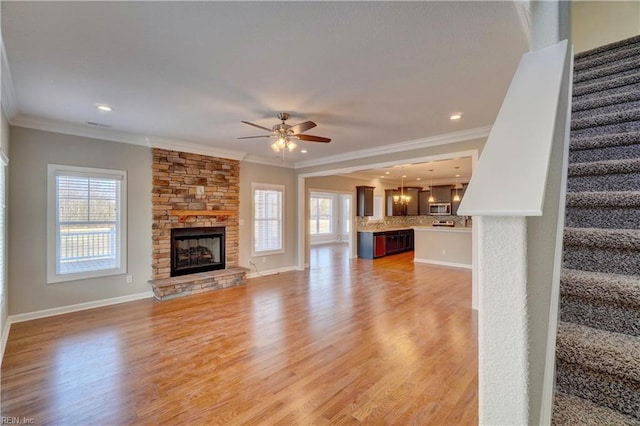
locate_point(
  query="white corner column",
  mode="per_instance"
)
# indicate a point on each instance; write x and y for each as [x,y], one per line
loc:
[502,256]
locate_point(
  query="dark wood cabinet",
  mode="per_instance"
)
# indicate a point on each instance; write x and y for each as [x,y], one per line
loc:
[441,194]
[456,204]
[372,245]
[364,198]
[391,208]
[397,209]
[423,203]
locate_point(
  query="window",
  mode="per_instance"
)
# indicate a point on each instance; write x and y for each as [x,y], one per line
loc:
[267,219]
[86,223]
[321,214]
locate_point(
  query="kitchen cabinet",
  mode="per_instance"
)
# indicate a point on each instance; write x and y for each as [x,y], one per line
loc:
[364,200]
[456,204]
[372,245]
[393,209]
[441,194]
[397,209]
[423,203]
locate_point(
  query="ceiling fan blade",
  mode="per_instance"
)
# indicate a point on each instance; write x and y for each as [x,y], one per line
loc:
[311,138]
[252,137]
[303,127]
[255,125]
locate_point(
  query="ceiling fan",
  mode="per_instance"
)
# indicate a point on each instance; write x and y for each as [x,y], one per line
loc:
[284,134]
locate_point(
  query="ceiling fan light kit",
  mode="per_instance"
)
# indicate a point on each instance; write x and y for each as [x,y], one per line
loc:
[285,135]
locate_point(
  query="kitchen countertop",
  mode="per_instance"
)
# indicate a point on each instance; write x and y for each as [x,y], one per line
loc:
[442,228]
[400,228]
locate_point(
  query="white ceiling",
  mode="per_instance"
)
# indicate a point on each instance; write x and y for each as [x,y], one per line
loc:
[369,74]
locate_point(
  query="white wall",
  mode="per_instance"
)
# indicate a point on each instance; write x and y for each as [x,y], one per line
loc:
[260,173]
[31,151]
[596,23]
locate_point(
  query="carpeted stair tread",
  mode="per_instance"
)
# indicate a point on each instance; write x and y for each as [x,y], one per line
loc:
[612,288]
[603,141]
[604,154]
[617,239]
[608,56]
[621,44]
[613,354]
[588,103]
[602,86]
[604,199]
[605,114]
[608,70]
[608,167]
[570,410]
[598,120]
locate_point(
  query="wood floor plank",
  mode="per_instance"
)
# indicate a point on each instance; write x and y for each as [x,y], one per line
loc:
[348,341]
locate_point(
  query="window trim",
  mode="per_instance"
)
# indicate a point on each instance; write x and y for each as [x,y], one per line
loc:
[332,216]
[267,187]
[52,254]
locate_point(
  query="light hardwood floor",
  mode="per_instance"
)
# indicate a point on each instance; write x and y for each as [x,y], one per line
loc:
[348,341]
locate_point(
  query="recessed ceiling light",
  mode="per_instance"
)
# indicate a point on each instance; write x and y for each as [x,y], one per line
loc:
[404,176]
[382,177]
[304,151]
[387,173]
[418,178]
[104,108]
[456,116]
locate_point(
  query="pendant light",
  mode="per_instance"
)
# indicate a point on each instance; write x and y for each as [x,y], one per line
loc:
[431,197]
[456,197]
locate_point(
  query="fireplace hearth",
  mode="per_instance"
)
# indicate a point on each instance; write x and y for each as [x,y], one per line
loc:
[196,250]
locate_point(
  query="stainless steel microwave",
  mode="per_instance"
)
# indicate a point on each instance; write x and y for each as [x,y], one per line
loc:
[440,209]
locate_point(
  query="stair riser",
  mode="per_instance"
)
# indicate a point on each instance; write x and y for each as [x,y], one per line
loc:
[610,56]
[612,182]
[602,260]
[604,141]
[583,119]
[585,104]
[604,81]
[628,126]
[595,99]
[603,154]
[596,314]
[603,87]
[622,396]
[609,70]
[601,217]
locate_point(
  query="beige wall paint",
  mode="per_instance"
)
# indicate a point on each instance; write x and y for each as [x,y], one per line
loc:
[596,23]
[32,150]
[4,307]
[261,173]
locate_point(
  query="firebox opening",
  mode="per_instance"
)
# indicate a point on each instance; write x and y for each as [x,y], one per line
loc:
[197,250]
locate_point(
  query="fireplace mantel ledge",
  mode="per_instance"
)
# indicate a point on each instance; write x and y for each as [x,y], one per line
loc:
[202,212]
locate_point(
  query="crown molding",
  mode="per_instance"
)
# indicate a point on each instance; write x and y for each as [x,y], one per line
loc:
[9,103]
[122,137]
[38,123]
[523,8]
[193,148]
[464,135]
[251,158]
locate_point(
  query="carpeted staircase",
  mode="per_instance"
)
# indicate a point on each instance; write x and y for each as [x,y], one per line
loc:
[598,341]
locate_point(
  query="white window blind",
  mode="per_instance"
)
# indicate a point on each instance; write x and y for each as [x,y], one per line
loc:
[268,219]
[87,228]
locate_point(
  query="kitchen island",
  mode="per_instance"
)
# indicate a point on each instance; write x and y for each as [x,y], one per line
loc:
[443,246]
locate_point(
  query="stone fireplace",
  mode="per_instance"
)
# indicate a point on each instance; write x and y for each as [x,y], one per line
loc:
[191,193]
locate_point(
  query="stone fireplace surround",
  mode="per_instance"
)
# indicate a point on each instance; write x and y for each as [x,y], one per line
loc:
[193,191]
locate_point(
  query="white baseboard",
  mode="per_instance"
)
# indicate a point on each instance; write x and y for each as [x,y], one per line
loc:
[78,307]
[271,272]
[442,263]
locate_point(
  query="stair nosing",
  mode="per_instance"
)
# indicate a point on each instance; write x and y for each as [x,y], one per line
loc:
[613,239]
[612,289]
[605,167]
